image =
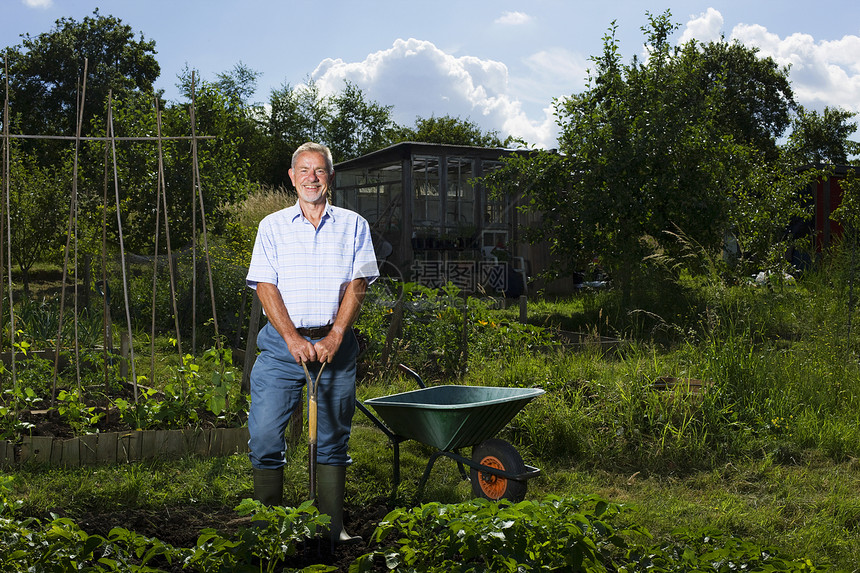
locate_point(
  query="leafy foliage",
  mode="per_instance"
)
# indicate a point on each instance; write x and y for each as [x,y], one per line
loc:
[60,545]
[448,130]
[592,535]
[822,138]
[347,122]
[672,143]
[45,72]
[440,329]
[38,200]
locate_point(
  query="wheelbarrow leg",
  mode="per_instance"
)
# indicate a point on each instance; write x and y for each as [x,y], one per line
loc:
[396,477]
[460,466]
[453,454]
[427,471]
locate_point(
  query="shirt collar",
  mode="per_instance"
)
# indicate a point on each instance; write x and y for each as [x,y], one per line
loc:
[295,212]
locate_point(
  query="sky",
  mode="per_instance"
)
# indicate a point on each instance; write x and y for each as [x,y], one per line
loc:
[497,63]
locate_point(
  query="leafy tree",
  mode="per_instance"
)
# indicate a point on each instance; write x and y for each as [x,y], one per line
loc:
[239,84]
[46,81]
[223,171]
[39,199]
[757,96]
[46,71]
[356,126]
[655,147]
[448,130]
[822,138]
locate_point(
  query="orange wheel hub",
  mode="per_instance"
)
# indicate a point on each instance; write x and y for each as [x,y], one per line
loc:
[493,486]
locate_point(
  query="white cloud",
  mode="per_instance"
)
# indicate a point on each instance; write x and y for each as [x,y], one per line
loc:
[513,19]
[560,65]
[420,80]
[822,73]
[706,27]
[41,4]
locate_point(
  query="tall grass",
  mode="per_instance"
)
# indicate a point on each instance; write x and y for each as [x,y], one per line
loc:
[774,356]
[260,201]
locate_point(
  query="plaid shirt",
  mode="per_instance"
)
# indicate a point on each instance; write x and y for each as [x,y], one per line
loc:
[312,266]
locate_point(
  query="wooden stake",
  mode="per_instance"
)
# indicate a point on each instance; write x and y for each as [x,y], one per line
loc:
[199,187]
[8,222]
[121,244]
[193,230]
[163,190]
[72,231]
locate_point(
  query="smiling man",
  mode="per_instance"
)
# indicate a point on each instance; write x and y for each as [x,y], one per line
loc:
[311,265]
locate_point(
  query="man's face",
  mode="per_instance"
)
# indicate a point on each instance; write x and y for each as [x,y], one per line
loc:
[310,177]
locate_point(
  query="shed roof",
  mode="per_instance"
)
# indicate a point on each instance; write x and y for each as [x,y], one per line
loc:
[406,149]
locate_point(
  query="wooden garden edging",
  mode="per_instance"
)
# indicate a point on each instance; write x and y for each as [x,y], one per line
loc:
[123,447]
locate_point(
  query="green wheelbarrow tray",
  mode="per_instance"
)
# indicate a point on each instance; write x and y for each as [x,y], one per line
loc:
[448,418]
[451,417]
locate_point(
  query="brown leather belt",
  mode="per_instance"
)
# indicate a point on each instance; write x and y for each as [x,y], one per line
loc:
[315,332]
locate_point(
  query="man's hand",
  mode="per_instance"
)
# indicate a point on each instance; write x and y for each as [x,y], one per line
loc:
[301,349]
[328,346]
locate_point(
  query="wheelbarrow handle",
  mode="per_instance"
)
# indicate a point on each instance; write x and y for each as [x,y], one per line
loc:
[412,373]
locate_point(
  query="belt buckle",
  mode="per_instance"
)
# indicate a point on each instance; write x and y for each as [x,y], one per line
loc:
[317,332]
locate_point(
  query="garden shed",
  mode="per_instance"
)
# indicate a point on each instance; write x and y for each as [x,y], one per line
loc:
[826,195]
[433,220]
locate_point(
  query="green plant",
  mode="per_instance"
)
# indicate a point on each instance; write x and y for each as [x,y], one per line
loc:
[7,506]
[80,417]
[713,551]
[480,535]
[278,531]
[138,414]
[441,329]
[61,546]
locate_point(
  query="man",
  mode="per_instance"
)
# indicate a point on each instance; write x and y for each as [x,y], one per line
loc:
[311,265]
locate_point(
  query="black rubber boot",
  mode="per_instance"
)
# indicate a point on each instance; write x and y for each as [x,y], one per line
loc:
[331,484]
[269,486]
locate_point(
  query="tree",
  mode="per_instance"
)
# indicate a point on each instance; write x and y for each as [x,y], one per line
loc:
[239,84]
[822,138]
[39,199]
[46,72]
[660,146]
[757,95]
[46,77]
[356,126]
[448,130]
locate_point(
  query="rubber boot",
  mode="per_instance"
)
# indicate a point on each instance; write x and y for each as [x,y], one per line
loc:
[269,486]
[331,484]
[268,490]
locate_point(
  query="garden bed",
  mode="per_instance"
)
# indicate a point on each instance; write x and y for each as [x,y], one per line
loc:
[182,526]
[123,447]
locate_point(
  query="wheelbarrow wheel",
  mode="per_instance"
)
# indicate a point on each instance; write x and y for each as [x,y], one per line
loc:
[501,455]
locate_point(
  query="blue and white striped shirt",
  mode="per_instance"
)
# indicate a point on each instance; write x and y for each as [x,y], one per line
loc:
[312,266]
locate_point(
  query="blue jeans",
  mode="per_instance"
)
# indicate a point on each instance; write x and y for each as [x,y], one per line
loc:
[276,387]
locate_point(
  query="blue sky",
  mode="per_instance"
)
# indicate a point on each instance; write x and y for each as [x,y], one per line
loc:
[495,62]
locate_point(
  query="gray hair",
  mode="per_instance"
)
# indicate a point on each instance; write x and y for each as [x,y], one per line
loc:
[316,148]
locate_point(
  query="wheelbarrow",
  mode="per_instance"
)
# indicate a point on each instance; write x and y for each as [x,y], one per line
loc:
[453,417]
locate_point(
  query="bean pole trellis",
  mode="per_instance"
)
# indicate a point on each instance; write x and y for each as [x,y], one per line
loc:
[110,140]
